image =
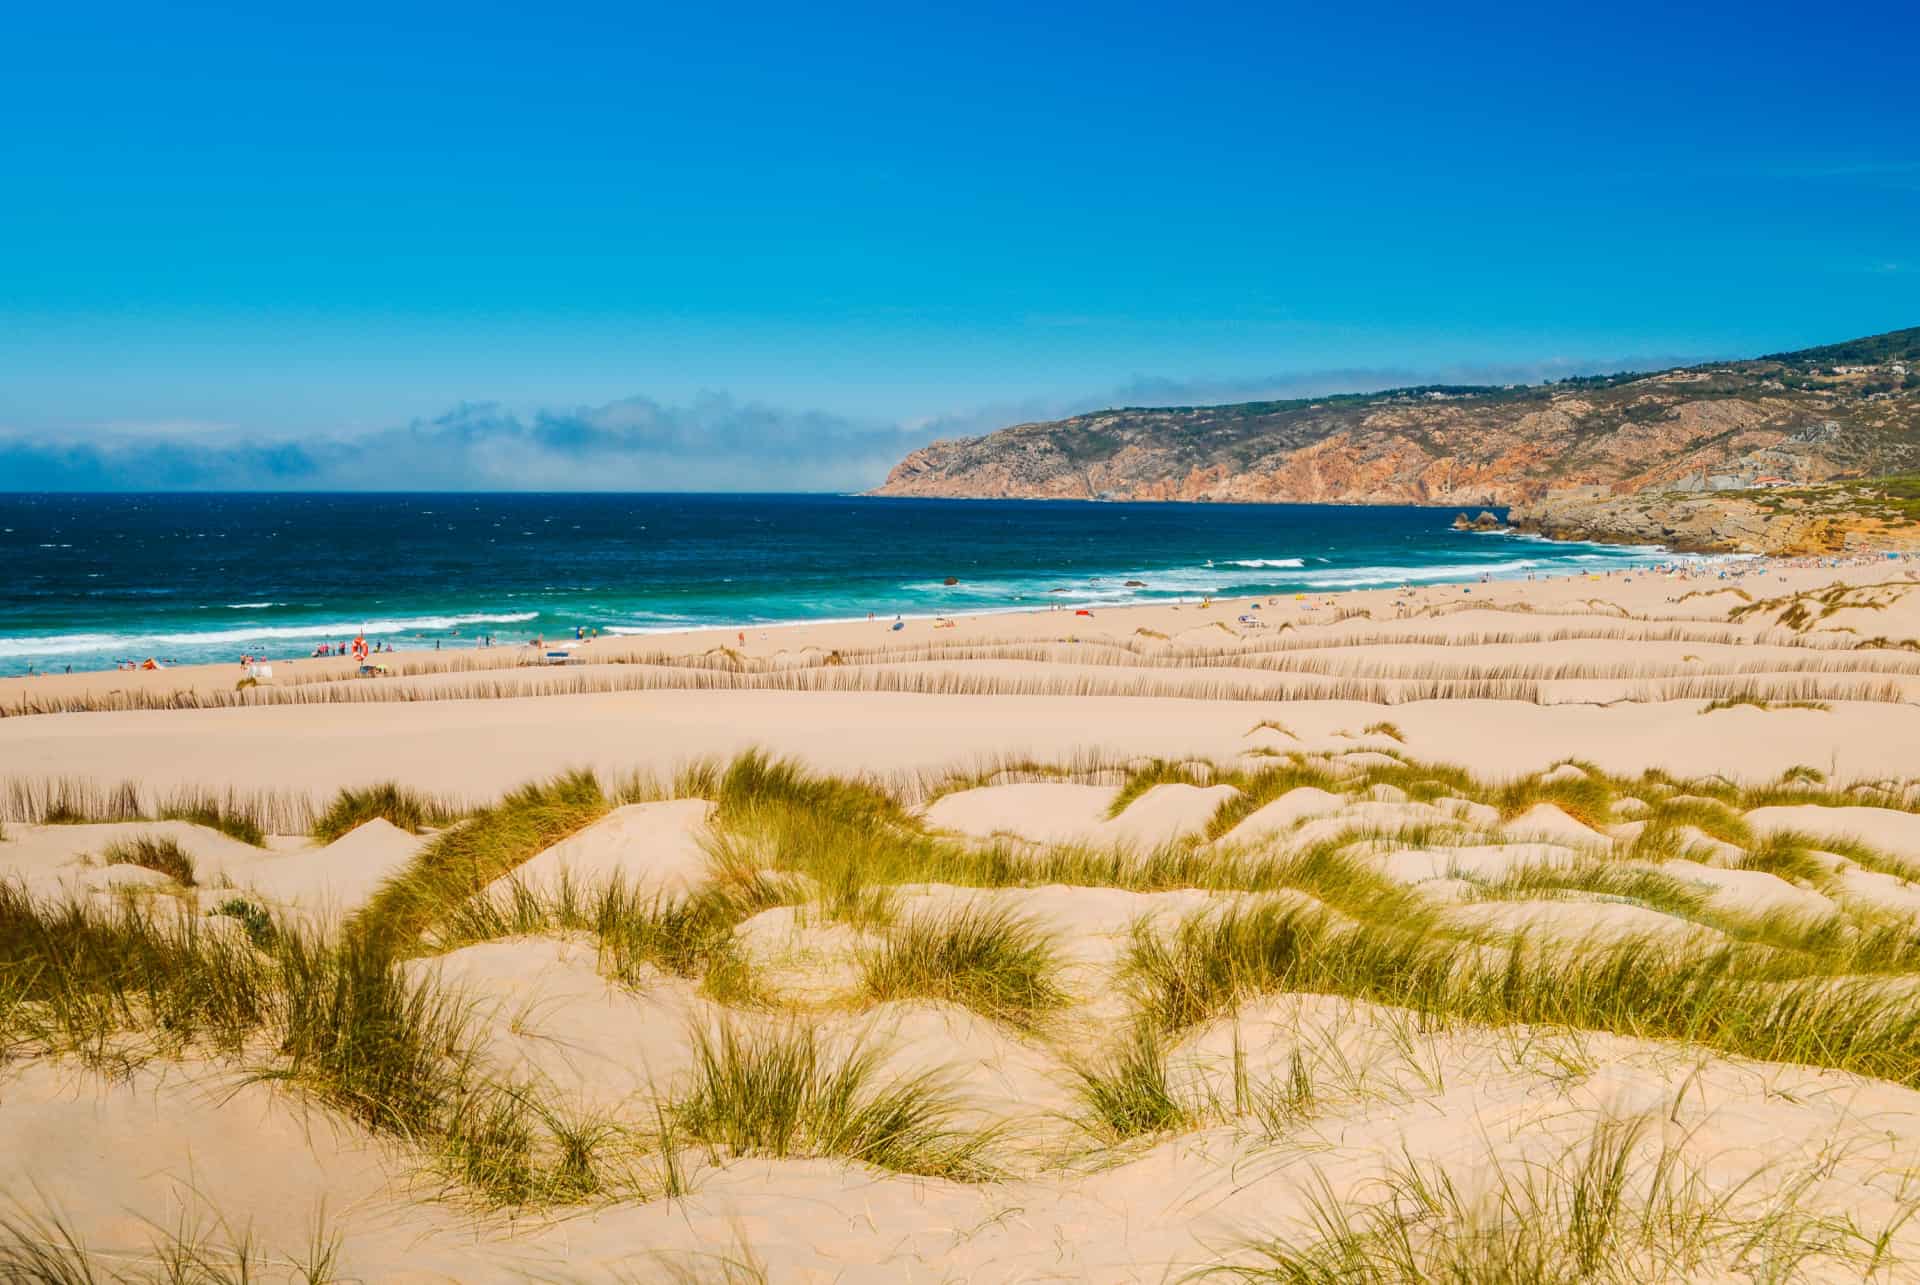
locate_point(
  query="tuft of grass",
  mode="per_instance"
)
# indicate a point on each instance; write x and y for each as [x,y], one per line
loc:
[1281,1104]
[1746,998]
[738,1266]
[1128,1093]
[355,1030]
[407,808]
[1790,857]
[1587,799]
[1160,772]
[1390,730]
[1618,1207]
[507,1146]
[851,841]
[161,853]
[1257,789]
[1612,880]
[460,862]
[71,801]
[1761,702]
[334,1016]
[45,1250]
[755,779]
[689,936]
[79,974]
[989,960]
[778,1093]
[228,813]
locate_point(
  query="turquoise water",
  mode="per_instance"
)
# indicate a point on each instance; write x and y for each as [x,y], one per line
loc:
[97,579]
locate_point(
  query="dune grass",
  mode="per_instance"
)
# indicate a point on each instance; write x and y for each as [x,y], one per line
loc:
[42,1248]
[1259,788]
[248,816]
[513,1149]
[1740,999]
[460,862]
[1156,772]
[71,801]
[161,853]
[688,936]
[1738,699]
[849,841]
[1127,1092]
[990,960]
[356,1032]
[410,809]
[230,813]
[1621,1206]
[113,983]
[334,1016]
[1833,942]
[779,1093]
[849,845]
[83,977]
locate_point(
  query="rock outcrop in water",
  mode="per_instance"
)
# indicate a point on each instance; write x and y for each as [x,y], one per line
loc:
[1847,410]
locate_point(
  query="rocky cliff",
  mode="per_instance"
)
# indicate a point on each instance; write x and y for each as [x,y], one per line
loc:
[1846,410]
[1845,517]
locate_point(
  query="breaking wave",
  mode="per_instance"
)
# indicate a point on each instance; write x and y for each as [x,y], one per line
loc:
[130,644]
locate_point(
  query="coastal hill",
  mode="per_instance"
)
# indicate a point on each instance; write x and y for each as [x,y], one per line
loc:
[1843,410]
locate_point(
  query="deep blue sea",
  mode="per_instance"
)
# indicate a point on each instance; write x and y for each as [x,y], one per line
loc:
[91,580]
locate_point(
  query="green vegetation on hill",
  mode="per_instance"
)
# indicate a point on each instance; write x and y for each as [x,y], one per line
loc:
[1871,350]
[1892,499]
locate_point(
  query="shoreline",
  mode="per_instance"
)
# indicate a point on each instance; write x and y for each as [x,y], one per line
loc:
[1632,557]
[24,695]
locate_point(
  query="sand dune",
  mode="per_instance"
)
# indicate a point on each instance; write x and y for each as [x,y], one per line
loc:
[1064,985]
[338,877]
[653,848]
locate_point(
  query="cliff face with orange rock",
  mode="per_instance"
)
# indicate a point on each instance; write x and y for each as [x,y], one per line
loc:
[1805,417]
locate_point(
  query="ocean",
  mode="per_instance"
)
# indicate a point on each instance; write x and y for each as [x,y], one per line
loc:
[93,580]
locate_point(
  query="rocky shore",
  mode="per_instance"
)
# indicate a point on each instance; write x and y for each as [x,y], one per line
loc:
[1815,520]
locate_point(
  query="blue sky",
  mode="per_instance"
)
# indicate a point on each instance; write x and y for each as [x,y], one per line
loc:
[227,232]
